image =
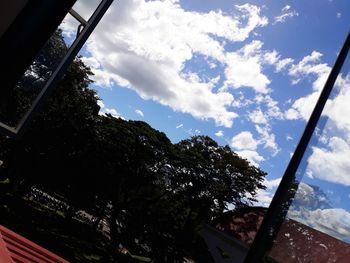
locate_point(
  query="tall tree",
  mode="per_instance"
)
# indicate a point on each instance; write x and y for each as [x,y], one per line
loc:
[213,176]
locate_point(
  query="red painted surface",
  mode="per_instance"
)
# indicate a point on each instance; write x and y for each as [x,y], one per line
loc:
[17,249]
[295,242]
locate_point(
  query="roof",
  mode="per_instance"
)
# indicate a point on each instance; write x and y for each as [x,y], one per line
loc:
[15,248]
[295,241]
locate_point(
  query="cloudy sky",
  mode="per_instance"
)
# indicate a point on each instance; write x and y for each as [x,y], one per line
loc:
[245,73]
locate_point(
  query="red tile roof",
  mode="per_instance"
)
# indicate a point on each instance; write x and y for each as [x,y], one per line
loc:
[295,241]
[15,248]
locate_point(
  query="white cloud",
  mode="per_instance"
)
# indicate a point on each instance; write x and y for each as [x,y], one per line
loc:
[338,15]
[91,62]
[272,184]
[329,158]
[332,221]
[331,163]
[264,197]
[193,132]
[309,197]
[309,66]
[252,156]
[257,117]
[267,138]
[311,207]
[179,126]
[244,69]
[273,110]
[285,8]
[286,13]
[245,146]
[139,112]
[273,58]
[219,134]
[337,108]
[104,110]
[289,138]
[244,141]
[283,63]
[144,45]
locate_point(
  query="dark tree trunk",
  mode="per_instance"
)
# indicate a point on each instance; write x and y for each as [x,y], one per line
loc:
[100,215]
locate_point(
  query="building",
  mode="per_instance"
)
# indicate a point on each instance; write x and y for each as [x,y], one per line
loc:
[230,236]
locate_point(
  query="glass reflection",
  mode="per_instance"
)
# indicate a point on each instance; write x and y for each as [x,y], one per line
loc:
[18,100]
[317,227]
[86,8]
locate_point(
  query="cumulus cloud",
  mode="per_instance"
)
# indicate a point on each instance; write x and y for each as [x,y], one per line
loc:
[273,110]
[274,58]
[272,184]
[337,107]
[139,112]
[310,65]
[331,163]
[104,110]
[257,116]
[289,138]
[244,141]
[264,197]
[193,132]
[144,46]
[311,207]
[219,134]
[286,13]
[252,156]
[332,221]
[179,126]
[245,145]
[310,197]
[286,8]
[267,138]
[328,159]
[244,69]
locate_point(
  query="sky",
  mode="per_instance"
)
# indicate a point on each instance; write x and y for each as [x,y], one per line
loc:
[246,73]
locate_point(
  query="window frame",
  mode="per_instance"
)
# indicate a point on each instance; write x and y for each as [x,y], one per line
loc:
[84,31]
[285,192]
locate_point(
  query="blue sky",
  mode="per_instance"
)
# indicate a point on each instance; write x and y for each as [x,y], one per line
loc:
[246,73]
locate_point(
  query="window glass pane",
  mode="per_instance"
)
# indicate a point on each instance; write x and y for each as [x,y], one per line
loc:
[17,99]
[86,8]
[317,227]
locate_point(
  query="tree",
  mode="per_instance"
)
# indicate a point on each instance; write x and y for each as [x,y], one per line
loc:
[132,154]
[160,192]
[57,149]
[211,176]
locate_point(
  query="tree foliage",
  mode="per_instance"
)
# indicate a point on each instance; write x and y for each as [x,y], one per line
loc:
[160,193]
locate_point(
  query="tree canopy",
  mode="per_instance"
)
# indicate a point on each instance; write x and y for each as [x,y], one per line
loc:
[159,193]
